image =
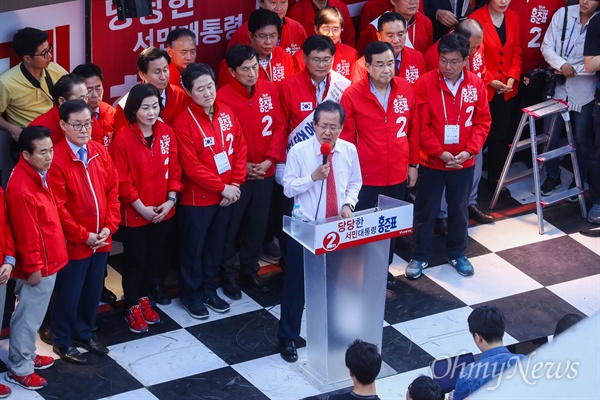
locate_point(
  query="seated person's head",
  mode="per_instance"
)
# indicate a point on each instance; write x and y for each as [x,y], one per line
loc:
[32,46]
[567,321]
[364,362]
[424,388]
[487,323]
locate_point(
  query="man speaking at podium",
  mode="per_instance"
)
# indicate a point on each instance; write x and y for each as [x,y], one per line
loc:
[323,175]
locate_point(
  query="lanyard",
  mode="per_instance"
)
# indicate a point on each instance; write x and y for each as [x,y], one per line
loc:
[569,51]
[444,104]
[204,134]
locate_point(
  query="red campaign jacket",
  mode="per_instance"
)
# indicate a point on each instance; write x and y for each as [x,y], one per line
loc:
[51,120]
[7,241]
[103,129]
[476,61]
[202,184]
[343,59]
[293,36]
[534,19]
[146,172]
[374,8]
[293,94]
[412,67]
[305,12]
[87,198]
[473,116]
[502,62]
[176,101]
[263,128]
[420,33]
[280,68]
[174,76]
[33,216]
[386,141]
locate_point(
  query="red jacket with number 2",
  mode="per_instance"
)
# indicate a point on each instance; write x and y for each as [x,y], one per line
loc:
[472,115]
[202,183]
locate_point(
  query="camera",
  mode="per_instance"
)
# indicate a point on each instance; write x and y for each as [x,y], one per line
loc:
[546,78]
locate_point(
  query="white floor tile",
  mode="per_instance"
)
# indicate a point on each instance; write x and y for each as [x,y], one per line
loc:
[591,243]
[276,378]
[519,231]
[441,335]
[494,278]
[398,265]
[582,293]
[165,357]
[113,282]
[179,314]
[139,394]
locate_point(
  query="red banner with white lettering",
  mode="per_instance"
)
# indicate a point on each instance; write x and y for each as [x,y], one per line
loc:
[116,44]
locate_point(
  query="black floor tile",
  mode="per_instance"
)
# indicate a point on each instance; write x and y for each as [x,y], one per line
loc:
[418,298]
[567,217]
[223,383]
[532,314]
[112,328]
[100,377]
[402,354]
[554,261]
[241,338]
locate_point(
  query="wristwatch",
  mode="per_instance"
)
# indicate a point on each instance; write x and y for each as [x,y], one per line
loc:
[350,206]
[414,166]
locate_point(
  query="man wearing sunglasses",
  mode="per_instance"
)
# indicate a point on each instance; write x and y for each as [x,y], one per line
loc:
[25,88]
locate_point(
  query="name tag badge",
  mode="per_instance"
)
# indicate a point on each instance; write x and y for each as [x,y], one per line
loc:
[222,162]
[209,141]
[451,134]
[307,106]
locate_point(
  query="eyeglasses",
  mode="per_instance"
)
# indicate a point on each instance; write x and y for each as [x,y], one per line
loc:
[453,63]
[44,54]
[79,127]
[275,3]
[327,30]
[381,65]
[332,128]
[263,37]
[318,61]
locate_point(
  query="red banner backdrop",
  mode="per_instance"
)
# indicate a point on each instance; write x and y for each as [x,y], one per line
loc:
[116,44]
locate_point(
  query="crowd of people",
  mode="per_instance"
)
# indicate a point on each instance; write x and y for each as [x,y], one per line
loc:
[200,167]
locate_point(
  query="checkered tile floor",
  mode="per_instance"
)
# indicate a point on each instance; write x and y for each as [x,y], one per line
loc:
[535,279]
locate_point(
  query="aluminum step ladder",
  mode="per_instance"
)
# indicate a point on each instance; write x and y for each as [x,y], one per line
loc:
[553,109]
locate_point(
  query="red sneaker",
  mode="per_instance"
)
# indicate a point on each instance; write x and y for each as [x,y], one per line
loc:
[150,316]
[32,381]
[135,320]
[4,391]
[42,362]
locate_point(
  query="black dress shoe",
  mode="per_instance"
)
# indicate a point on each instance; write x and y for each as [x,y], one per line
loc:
[478,215]
[255,282]
[391,281]
[92,345]
[231,289]
[441,226]
[107,296]
[287,349]
[46,334]
[70,354]
[160,296]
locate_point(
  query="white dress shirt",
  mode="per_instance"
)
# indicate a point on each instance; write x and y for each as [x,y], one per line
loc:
[578,90]
[303,159]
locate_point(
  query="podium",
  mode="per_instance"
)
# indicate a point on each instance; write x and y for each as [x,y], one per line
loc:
[345,276]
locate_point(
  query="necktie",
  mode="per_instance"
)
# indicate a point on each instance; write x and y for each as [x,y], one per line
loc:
[95,116]
[398,64]
[81,155]
[44,178]
[331,206]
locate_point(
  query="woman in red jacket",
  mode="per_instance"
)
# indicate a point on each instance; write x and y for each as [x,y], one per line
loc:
[145,154]
[503,63]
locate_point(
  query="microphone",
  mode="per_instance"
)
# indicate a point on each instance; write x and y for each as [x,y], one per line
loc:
[326,151]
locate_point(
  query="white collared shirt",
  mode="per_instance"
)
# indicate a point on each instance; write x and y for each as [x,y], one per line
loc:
[320,89]
[303,159]
[76,148]
[454,88]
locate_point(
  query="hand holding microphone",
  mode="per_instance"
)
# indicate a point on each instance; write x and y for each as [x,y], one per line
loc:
[322,171]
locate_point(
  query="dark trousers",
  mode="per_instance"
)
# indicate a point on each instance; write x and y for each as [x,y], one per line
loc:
[429,193]
[145,252]
[369,196]
[248,226]
[75,299]
[280,205]
[594,171]
[501,134]
[292,295]
[202,243]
